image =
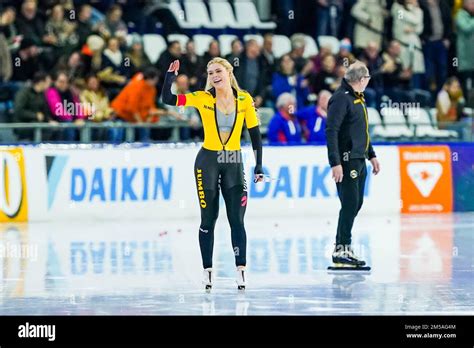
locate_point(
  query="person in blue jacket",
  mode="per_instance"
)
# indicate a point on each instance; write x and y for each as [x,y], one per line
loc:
[284,127]
[313,118]
[287,80]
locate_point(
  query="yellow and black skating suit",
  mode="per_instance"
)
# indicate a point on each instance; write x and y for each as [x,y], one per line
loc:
[218,166]
[205,102]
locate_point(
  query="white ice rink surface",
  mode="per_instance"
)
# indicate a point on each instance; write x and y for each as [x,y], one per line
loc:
[421,265]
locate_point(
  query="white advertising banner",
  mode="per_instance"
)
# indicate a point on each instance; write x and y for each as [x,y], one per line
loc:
[157,182]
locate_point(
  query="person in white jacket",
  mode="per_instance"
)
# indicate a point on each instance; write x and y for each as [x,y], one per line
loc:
[407,27]
[369,16]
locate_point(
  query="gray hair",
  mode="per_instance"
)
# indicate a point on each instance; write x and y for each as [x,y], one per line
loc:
[356,71]
[323,93]
[284,99]
[298,41]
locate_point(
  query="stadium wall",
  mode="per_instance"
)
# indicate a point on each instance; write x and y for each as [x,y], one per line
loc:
[58,182]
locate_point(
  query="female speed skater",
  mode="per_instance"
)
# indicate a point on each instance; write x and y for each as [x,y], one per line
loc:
[223,108]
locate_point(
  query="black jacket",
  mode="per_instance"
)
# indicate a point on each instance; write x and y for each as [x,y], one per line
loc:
[427,22]
[239,72]
[347,127]
[28,103]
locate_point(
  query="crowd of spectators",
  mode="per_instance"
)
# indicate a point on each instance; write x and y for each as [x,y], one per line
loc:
[69,61]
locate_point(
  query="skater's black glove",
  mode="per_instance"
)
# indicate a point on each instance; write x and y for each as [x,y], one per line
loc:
[258,171]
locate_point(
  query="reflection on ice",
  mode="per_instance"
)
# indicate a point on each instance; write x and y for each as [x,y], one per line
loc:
[420,265]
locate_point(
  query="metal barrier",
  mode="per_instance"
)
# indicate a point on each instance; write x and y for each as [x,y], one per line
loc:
[86,129]
[464,128]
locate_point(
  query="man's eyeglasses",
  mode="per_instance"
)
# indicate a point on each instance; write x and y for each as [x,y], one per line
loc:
[367,76]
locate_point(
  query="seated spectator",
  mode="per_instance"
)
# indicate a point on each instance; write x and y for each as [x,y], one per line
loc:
[450,102]
[30,25]
[344,56]
[31,106]
[136,103]
[396,79]
[113,25]
[113,71]
[172,53]
[268,59]
[317,60]
[7,27]
[370,56]
[74,66]
[62,32]
[303,65]
[236,51]
[91,53]
[94,95]
[64,105]
[6,67]
[29,56]
[284,127]
[84,24]
[287,80]
[248,72]
[95,100]
[313,118]
[213,52]
[326,78]
[192,65]
[135,59]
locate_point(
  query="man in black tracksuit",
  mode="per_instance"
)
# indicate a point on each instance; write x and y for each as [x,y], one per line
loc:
[348,143]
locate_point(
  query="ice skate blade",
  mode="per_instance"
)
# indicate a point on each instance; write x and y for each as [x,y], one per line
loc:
[241,287]
[208,288]
[338,268]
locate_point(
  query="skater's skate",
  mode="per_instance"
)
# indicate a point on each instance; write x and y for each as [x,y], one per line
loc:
[207,278]
[241,278]
[345,259]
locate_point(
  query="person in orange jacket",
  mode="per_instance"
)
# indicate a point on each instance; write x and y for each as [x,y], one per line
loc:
[136,103]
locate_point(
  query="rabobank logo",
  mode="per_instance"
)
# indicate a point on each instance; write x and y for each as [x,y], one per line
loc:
[13,198]
[89,183]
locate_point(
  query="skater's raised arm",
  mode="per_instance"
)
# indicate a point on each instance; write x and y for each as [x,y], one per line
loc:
[194,99]
[170,76]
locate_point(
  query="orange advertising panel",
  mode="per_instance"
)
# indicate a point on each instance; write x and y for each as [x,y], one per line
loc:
[425,178]
[13,197]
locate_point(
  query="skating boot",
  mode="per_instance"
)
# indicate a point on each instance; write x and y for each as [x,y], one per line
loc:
[241,278]
[345,259]
[207,279]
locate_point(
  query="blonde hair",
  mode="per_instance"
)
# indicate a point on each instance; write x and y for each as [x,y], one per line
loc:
[228,67]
